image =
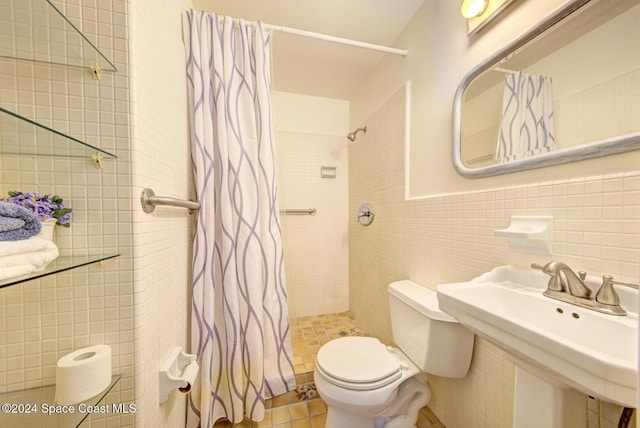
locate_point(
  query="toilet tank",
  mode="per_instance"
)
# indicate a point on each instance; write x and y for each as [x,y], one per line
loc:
[432,339]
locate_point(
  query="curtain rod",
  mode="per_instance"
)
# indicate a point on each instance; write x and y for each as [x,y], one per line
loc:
[334,39]
[503,70]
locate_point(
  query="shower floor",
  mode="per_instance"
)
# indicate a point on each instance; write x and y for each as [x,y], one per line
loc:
[308,334]
[302,407]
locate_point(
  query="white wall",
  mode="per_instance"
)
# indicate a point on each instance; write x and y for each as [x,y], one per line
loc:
[161,161]
[308,114]
[310,133]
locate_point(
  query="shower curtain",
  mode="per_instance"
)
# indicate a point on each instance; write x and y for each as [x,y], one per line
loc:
[527,117]
[239,320]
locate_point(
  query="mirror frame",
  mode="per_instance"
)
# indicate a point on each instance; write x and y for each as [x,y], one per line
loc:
[594,149]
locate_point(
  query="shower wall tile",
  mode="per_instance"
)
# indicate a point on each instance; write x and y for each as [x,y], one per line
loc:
[449,238]
[45,319]
[579,119]
[316,247]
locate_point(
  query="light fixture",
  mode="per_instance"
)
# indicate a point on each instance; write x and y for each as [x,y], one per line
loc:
[472,8]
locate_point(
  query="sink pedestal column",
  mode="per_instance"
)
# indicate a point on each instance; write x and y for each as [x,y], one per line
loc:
[544,403]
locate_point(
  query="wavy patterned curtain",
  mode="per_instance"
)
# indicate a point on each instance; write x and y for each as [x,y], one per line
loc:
[527,117]
[239,320]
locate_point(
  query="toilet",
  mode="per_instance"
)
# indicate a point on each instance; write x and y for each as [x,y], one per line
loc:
[366,384]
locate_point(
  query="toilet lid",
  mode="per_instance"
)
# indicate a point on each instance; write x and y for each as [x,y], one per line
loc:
[358,360]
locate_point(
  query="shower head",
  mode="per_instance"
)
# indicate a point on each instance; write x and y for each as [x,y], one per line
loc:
[352,135]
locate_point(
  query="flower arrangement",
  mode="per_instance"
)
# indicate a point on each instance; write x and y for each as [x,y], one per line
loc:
[44,206]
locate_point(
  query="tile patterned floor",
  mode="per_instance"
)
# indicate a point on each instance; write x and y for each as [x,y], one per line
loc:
[305,414]
[311,332]
[302,408]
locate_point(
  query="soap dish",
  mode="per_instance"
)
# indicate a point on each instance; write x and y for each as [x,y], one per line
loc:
[529,233]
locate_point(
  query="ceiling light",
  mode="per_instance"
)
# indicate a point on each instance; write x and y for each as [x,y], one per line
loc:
[472,8]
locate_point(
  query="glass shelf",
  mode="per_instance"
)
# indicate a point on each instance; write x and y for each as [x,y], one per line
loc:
[60,264]
[40,399]
[22,136]
[36,30]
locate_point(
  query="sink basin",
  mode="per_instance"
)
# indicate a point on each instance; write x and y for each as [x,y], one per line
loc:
[575,347]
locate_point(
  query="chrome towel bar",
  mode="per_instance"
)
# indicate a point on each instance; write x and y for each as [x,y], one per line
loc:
[149,200]
[308,211]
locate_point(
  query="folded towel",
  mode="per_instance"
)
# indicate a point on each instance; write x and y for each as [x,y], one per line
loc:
[12,272]
[10,229]
[8,223]
[27,246]
[26,256]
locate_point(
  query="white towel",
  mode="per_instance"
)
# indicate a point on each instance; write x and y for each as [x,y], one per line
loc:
[12,272]
[26,256]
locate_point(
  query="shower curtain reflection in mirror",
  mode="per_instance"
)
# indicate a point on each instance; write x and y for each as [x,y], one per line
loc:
[239,320]
[526,128]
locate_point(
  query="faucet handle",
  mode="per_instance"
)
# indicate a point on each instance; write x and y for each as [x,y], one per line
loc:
[607,295]
[607,292]
[582,274]
[626,284]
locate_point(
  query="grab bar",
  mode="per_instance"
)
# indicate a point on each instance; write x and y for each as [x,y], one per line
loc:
[149,200]
[309,211]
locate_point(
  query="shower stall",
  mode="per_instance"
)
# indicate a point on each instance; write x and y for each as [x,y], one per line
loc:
[315,246]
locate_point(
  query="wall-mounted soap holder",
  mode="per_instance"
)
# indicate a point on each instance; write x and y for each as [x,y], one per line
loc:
[533,234]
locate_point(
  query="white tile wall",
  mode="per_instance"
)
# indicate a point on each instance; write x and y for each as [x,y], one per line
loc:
[43,320]
[316,247]
[161,161]
[450,238]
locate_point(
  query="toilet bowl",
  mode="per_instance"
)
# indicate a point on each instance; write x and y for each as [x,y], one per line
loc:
[366,384]
[363,387]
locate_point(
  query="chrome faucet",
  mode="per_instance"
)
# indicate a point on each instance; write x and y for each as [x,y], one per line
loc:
[568,287]
[564,278]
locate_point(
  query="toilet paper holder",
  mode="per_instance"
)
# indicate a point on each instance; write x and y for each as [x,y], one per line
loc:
[178,372]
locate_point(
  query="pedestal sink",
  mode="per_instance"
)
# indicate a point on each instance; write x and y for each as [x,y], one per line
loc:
[561,351]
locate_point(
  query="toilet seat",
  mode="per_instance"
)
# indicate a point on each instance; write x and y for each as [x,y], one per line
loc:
[358,363]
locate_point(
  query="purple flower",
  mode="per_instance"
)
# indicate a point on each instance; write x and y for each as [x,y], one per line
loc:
[44,206]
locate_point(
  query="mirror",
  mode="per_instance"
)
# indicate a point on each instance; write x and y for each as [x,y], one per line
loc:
[568,90]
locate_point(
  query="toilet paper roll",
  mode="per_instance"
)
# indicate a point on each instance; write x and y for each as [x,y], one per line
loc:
[83,374]
[189,375]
